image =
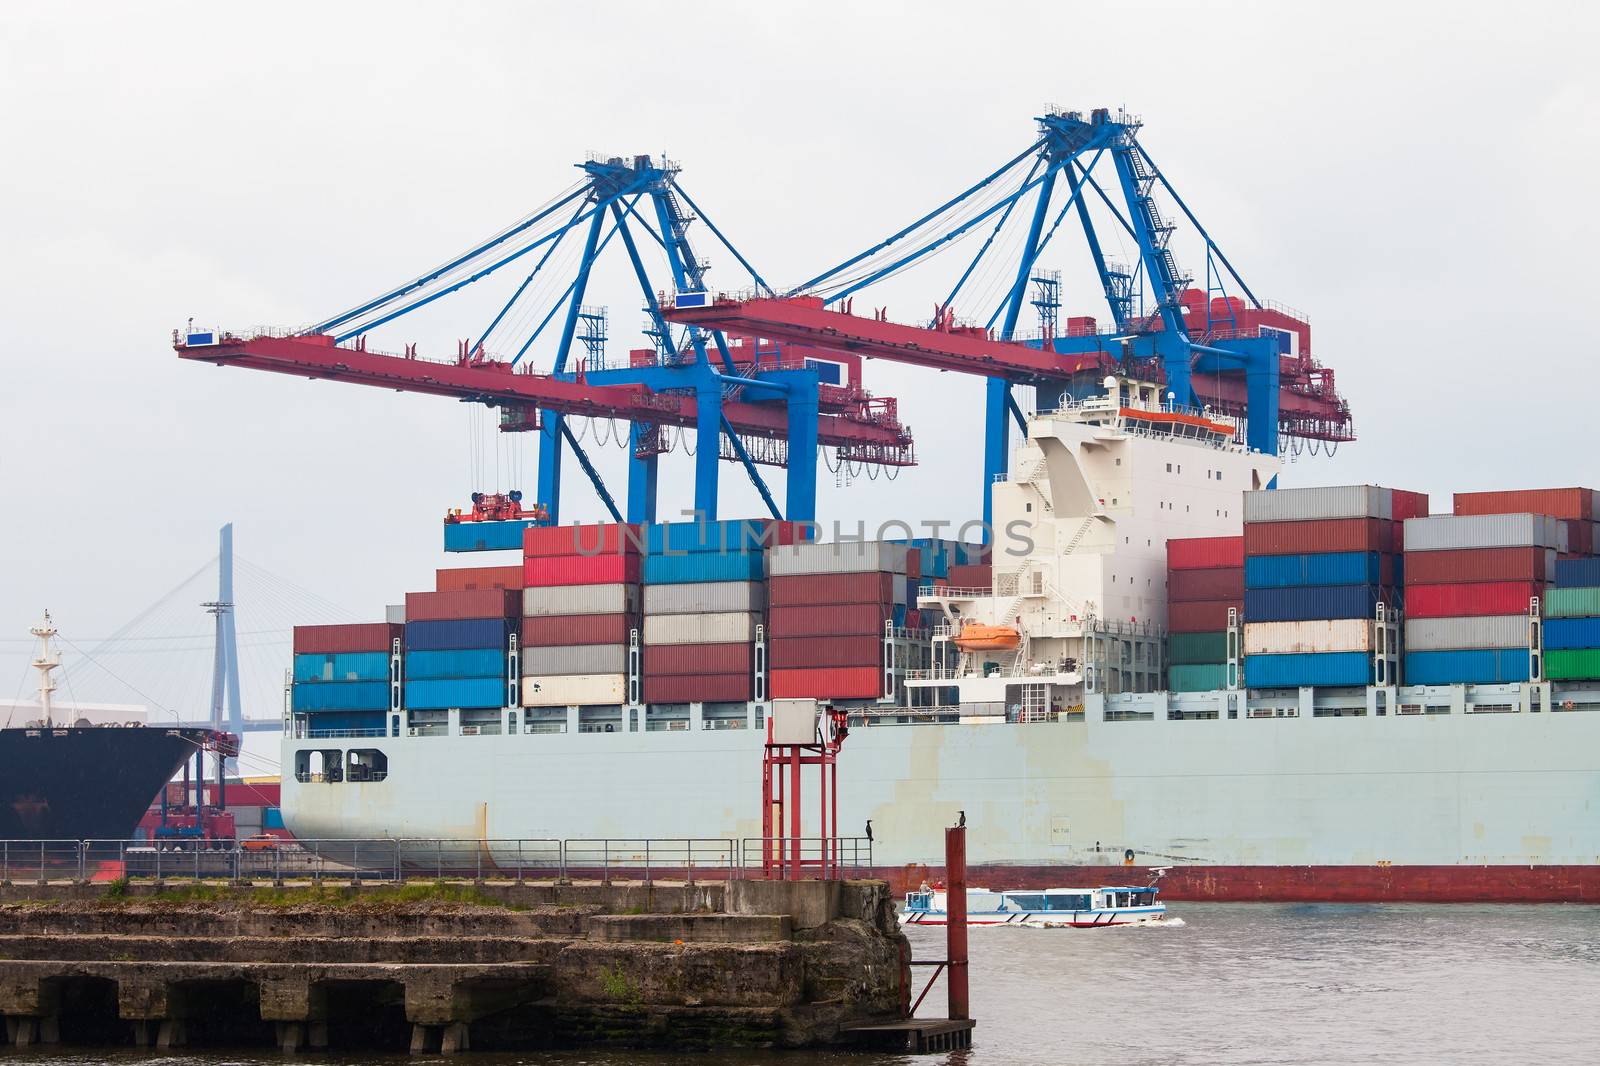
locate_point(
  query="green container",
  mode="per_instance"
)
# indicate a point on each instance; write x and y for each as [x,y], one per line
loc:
[1572,603]
[1186,649]
[1576,665]
[1197,677]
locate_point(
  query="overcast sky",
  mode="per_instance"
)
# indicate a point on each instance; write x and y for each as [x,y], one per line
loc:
[1412,176]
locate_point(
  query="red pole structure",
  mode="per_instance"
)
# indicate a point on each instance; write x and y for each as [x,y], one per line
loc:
[955,875]
[795,813]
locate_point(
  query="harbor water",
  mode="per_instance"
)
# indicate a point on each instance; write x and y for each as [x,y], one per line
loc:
[1223,983]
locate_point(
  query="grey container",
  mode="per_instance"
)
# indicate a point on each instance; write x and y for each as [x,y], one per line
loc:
[395,614]
[575,659]
[1319,504]
[726,628]
[559,600]
[1462,634]
[838,557]
[706,597]
[1450,532]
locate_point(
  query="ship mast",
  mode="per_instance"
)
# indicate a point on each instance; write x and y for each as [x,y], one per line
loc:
[45,662]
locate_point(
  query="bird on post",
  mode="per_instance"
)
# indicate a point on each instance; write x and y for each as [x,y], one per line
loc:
[961,822]
[869,830]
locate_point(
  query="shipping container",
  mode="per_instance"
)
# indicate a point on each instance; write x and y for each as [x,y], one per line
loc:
[705,597]
[1452,634]
[839,557]
[1296,671]
[1574,503]
[574,690]
[360,636]
[1189,586]
[822,590]
[724,628]
[468,603]
[1577,573]
[1204,553]
[575,659]
[559,570]
[1443,532]
[1488,666]
[1569,634]
[1574,665]
[1207,617]
[971,576]
[343,724]
[736,536]
[464,578]
[1338,535]
[1410,505]
[667,660]
[1571,603]
[697,688]
[935,556]
[485,536]
[845,619]
[1472,600]
[342,666]
[704,567]
[395,613]
[599,538]
[1318,503]
[562,630]
[838,683]
[1312,637]
[1305,604]
[1186,649]
[464,633]
[466,692]
[1469,565]
[455,663]
[798,653]
[1196,677]
[340,696]
[565,600]
[1319,568]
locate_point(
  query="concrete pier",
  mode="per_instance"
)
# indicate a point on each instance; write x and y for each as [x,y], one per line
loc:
[449,968]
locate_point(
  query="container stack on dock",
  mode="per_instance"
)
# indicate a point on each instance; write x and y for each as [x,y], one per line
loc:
[456,646]
[580,606]
[1574,506]
[1318,562]
[341,675]
[1205,581]
[1572,622]
[829,608]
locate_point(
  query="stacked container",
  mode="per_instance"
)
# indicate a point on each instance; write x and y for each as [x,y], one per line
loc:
[341,676]
[828,608]
[456,646]
[1318,562]
[1572,622]
[1205,581]
[580,606]
[1574,506]
[1470,581]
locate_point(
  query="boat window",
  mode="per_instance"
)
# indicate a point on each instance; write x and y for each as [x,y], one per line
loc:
[319,765]
[368,764]
[919,900]
[1027,901]
[1068,902]
[1122,899]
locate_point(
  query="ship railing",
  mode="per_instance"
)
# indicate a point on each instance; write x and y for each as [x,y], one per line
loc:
[790,857]
[320,733]
[35,860]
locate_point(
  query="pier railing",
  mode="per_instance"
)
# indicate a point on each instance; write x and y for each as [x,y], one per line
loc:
[402,859]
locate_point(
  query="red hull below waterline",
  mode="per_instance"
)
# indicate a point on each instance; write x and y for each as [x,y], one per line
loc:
[1295,884]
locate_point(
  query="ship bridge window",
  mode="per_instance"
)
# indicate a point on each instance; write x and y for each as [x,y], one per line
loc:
[319,765]
[368,764]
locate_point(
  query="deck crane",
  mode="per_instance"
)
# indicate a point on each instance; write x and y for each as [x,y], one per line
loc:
[747,403]
[1215,352]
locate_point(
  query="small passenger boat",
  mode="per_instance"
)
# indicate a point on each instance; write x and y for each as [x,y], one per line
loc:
[1052,908]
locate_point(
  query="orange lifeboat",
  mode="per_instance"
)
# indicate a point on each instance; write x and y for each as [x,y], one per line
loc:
[977,637]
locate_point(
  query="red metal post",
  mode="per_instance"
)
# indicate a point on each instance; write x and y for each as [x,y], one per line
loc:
[955,875]
[833,803]
[794,812]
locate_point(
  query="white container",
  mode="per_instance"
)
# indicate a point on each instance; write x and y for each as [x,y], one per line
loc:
[395,614]
[557,690]
[733,627]
[1319,503]
[839,557]
[575,659]
[559,600]
[706,597]
[1320,635]
[1452,634]
[1451,532]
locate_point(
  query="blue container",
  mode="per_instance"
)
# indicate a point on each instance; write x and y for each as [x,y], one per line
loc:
[344,666]
[1320,568]
[464,633]
[340,696]
[1310,604]
[1492,666]
[458,662]
[1305,668]
[456,692]
[484,536]
[704,566]
[1563,634]
[272,818]
[326,723]
[737,535]
[1577,573]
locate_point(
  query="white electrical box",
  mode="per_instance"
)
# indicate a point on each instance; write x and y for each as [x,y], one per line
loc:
[794,721]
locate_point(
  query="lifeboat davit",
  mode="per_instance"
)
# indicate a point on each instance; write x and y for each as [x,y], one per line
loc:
[977,637]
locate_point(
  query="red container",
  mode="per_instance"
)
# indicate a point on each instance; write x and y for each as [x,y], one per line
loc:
[1468,601]
[1219,583]
[698,688]
[913,564]
[816,590]
[841,619]
[1571,504]
[464,578]
[1330,535]
[830,683]
[548,570]
[360,636]
[606,538]
[791,653]
[972,576]
[1204,553]
[1410,505]
[470,603]
[670,660]
[571,629]
[1205,616]
[1460,566]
